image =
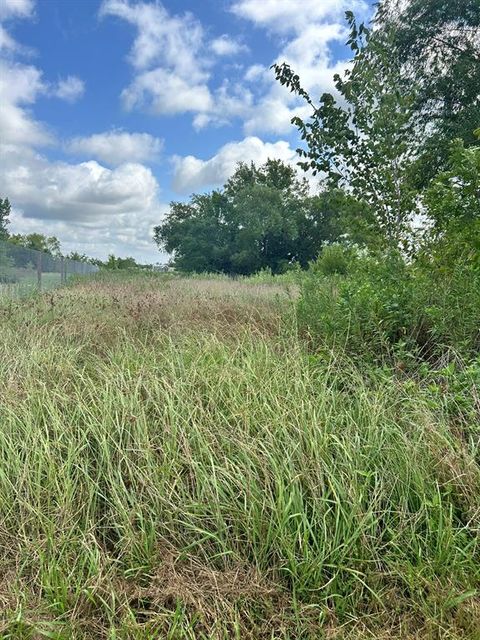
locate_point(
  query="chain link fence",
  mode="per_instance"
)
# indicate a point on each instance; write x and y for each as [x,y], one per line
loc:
[23,271]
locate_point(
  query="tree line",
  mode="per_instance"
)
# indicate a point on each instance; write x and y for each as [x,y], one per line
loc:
[263,218]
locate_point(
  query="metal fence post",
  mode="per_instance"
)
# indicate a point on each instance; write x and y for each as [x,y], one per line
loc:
[39,270]
[63,278]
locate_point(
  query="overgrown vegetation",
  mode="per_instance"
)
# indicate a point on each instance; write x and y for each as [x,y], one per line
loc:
[177,464]
[293,453]
[429,307]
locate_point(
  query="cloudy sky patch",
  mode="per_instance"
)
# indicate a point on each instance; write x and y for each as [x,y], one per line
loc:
[111,109]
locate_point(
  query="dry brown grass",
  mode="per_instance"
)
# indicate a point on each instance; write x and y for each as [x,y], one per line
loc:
[180,305]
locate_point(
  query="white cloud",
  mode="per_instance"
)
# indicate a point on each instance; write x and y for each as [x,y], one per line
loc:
[20,85]
[117,147]
[174,62]
[69,89]
[74,191]
[172,41]
[256,72]
[273,114]
[229,101]
[227,46]
[16,9]
[283,16]
[307,31]
[7,43]
[168,55]
[193,173]
[89,207]
[162,92]
[13,9]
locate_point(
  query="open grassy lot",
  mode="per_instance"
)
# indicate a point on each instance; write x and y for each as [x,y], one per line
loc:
[175,463]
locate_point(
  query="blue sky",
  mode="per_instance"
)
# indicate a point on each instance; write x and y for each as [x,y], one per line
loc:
[110,109]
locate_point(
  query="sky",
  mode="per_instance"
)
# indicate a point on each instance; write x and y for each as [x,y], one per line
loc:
[111,109]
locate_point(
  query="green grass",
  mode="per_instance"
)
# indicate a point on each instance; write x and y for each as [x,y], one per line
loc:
[174,464]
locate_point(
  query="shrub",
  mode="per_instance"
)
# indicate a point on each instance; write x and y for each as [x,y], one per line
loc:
[382,306]
[385,307]
[334,258]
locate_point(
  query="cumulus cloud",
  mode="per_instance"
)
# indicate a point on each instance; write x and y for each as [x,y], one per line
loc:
[256,72]
[227,46]
[161,38]
[7,43]
[117,147]
[89,207]
[20,85]
[162,92]
[306,33]
[173,61]
[192,173]
[231,100]
[83,191]
[283,16]
[168,55]
[13,9]
[69,89]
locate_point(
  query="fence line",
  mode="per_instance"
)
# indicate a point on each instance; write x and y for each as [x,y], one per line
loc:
[26,270]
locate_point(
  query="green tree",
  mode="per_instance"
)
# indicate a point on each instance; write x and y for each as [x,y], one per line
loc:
[329,217]
[453,204]
[38,242]
[438,45]
[5,210]
[263,218]
[265,203]
[198,234]
[77,257]
[115,263]
[364,143]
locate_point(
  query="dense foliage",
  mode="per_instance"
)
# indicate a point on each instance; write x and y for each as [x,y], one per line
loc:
[413,291]
[263,218]
[438,45]
[382,305]
[364,142]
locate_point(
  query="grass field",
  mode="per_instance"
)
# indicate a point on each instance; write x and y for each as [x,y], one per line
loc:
[175,463]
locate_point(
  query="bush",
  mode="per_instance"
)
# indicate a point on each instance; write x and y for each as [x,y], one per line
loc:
[382,307]
[334,258]
[386,308]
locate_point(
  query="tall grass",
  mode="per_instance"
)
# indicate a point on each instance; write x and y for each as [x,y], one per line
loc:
[175,465]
